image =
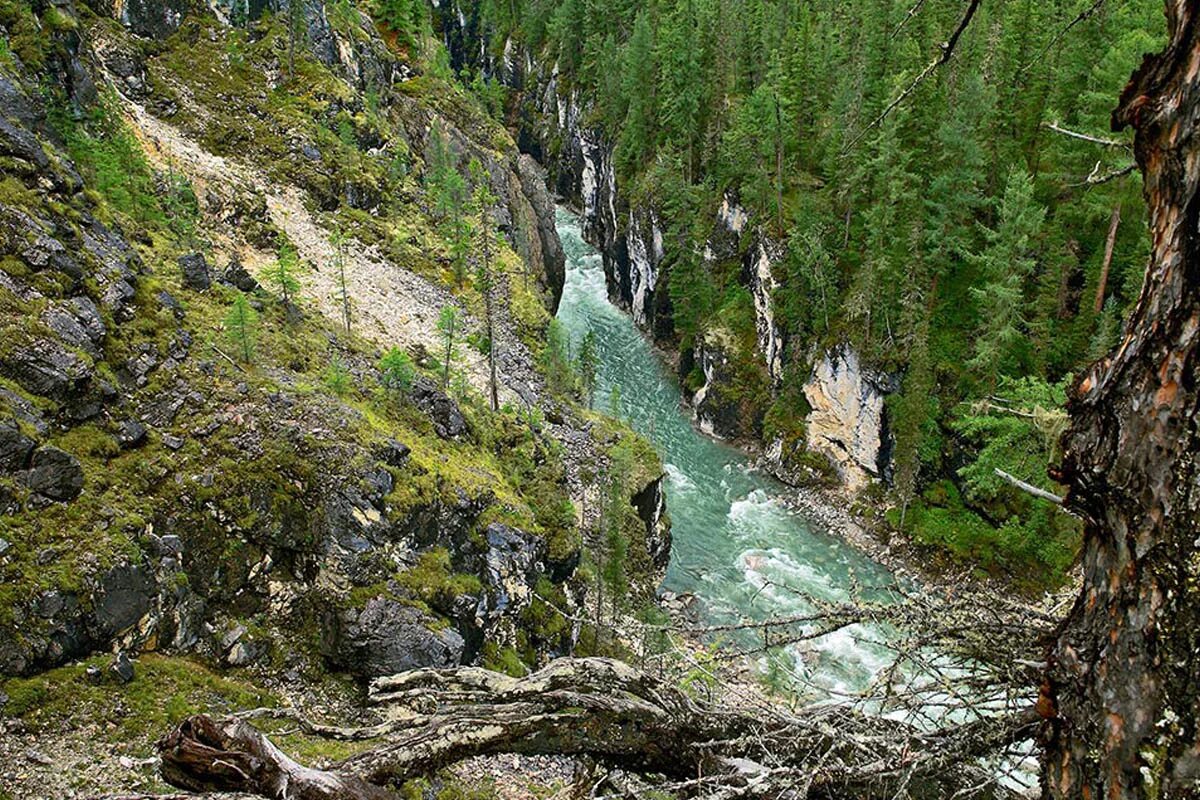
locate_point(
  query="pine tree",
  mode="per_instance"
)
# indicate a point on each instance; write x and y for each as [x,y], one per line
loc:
[241,327]
[281,275]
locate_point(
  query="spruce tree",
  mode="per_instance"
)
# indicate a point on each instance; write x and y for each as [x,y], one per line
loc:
[1003,265]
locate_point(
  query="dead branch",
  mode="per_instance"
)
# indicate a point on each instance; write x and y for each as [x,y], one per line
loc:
[946,50]
[1080,17]
[1054,126]
[1028,488]
[608,711]
[1095,178]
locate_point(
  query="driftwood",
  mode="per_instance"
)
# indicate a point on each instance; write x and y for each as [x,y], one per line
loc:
[614,714]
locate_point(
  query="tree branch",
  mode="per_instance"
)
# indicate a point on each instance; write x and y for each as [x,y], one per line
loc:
[1054,126]
[1029,488]
[947,50]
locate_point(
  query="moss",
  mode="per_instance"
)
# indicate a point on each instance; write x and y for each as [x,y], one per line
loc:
[433,581]
[164,691]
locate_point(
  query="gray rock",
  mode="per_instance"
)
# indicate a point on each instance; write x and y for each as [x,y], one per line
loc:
[123,598]
[238,277]
[47,368]
[168,301]
[195,270]
[443,412]
[173,442]
[386,637]
[130,434]
[55,474]
[15,448]
[154,19]
[232,636]
[120,669]
[38,757]
[245,653]
[4,546]
[393,453]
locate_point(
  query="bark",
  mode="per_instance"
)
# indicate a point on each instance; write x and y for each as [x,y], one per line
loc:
[1109,243]
[1121,692]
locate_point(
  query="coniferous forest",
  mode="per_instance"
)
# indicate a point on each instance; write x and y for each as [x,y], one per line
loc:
[971,226]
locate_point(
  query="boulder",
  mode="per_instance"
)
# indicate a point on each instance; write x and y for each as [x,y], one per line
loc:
[120,669]
[443,412]
[48,368]
[237,276]
[393,453]
[385,637]
[195,271]
[55,474]
[122,599]
[130,434]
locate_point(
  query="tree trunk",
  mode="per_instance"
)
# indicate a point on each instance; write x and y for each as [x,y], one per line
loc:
[1102,285]
[1122,691]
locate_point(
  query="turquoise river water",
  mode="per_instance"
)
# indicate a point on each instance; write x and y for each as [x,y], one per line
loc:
[737,547]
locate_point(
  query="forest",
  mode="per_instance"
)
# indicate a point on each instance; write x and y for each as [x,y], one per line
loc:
[972,226]
[582,400]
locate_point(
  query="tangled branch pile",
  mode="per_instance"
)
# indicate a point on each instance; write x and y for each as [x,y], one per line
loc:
[960,691]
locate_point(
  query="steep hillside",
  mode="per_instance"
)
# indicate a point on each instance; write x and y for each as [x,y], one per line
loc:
[230,434]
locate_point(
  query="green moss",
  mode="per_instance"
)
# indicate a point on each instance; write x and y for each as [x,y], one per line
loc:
[432,580]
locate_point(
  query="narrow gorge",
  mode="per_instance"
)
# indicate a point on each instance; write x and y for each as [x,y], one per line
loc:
[580,400]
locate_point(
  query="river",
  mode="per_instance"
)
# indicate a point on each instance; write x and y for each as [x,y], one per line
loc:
[737,547]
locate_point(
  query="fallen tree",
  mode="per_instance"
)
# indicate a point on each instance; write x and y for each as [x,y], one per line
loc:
[615,714]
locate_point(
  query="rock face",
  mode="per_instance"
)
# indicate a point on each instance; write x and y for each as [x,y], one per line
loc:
[651,505]
[759,276]
[644,245]
[848,421]
[715,411]
[513,562]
